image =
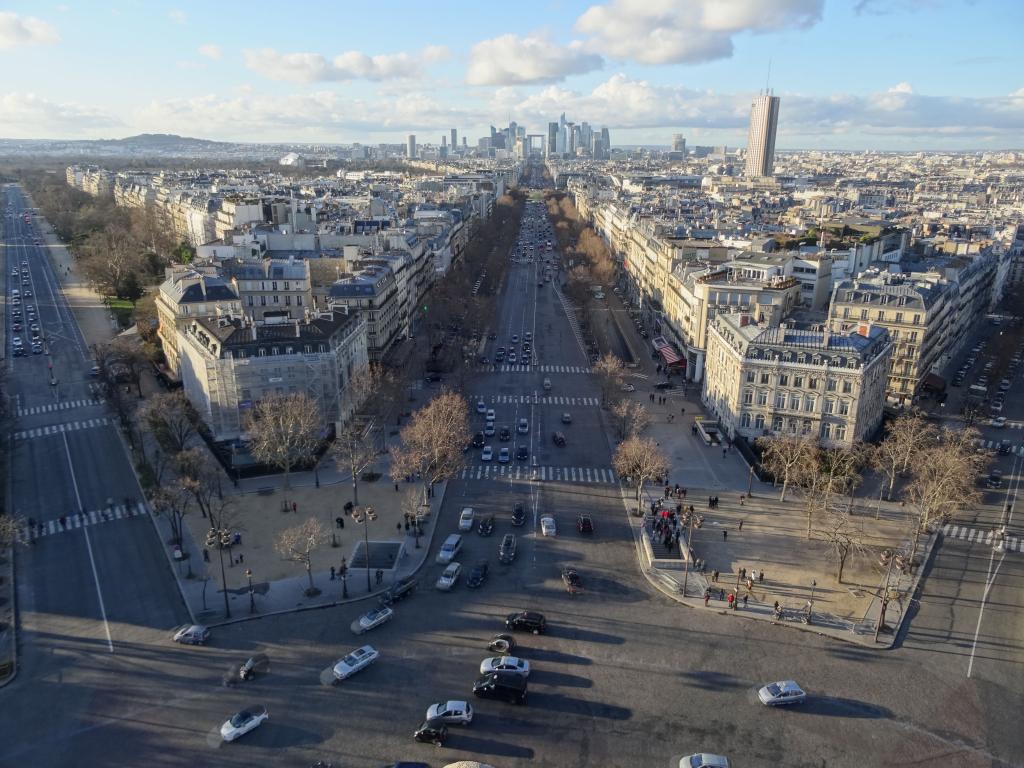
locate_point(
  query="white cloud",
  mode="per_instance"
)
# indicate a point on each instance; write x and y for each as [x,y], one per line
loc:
[350,65]
[178,16]
[514,60]
[902,87]
[25,115]
[211,51]
[24,30]
[686,31]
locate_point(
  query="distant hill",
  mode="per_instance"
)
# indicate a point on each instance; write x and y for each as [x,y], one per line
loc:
[163,141]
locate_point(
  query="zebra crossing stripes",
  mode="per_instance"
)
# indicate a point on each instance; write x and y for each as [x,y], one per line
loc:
[536,368]
[537,400]
[79,520]
[519,472]
[61,406]
[56,429]
[992,445]
[978,536]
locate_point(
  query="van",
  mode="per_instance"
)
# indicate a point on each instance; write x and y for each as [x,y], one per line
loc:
[547,385]
[507,550]
[449,549]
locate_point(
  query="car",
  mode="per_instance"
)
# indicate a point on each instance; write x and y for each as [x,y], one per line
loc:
[16,326]
[191,634]
[486,526]
[512,358]
[242,722]
[999,422]
[528,336]
[515,338]
[518,513]
[432,377]
[451,547]
[356,661]
[504,456]
[547,526]
[510,664]
[527,621]
[487,454]
[572,580]
[502,644]
[398,590]
[584,523]
[490,415]
[505,434]
[499,357]
[522,453]
[258,663]
[701,760]
[37,349]
[664,385]
[479,440]
[1005,446]
[1004,385]
[527,360]
[507,549]
[449,577]
[492,336]
[481,406]
[559,439]
[500,686]
[489,429]
[478,575]
[372,619]
[780,693]
[994,479]
[522,426]
[432,732]
[459,712]
[567,418]
[627,387]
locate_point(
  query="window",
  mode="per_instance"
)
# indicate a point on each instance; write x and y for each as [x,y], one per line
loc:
[880,316]
[759,421]
[762,398]
[830,405]
[792,424]
[826,431]
[846,313]
[805,428]
[275,351]
[308,349]
[745,421]
[812,383]
[847,387]
[917,319]
[899,317]
[287,301]
[794,402]
[830,385]
[798,381]
[840,432]
[263,301]
[764,378]
[780,400]
[750,377]
[289,351]
[298,301]
[262,352]
[273,285]
[777,423]
[784,380]
[748,397]
[286,285]
[250,300]
[810,404]
[863,314]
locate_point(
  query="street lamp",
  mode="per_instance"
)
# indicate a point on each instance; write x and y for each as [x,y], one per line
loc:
[220,538]
[343,572]
[364,516]
[252,598]
[890,559]
[810,603]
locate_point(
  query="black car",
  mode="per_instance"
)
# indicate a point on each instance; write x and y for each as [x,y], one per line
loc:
[1005,447]
[478,440]
[432,377]
[486,527]
[559,439]
[572,580]
[505,434]
[478,575]
[522,453]
[432,731]
[664,385]
[585,524]
[492,335]
[518,514]
[527,621]
[398,590]
[503,686]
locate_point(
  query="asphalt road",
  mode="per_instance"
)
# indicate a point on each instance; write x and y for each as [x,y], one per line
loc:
[625,677]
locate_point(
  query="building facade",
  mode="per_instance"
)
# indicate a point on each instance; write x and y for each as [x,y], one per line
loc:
[764,121]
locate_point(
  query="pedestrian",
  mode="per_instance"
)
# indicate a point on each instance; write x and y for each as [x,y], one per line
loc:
[776,607]
[725,535]
[760,577]
[709,502]
[721,594]
[744,601]
[206,555]
[332,573]
[380,575]
[295,508]
[743,573]
[714,576]
[396,487]
[341,522]
[682,411]
[740,528]
[732,601]
[724,451]
[63,521]
[707,597]
[241,559]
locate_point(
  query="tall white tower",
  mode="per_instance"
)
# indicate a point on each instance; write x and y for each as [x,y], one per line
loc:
[764,120]
[410,149]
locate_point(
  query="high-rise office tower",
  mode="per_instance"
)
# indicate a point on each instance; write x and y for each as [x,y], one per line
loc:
[444,140]
[455,138]
[606,140]
[553,132]
[764,120]
[410,149]
[678,143]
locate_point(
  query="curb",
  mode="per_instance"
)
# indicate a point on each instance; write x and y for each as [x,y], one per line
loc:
[336,603]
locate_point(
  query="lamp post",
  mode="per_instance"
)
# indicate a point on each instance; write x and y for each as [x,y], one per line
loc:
[252,597]
[343,572]
[364,516]
[810,603]
[750,481]
[220,538]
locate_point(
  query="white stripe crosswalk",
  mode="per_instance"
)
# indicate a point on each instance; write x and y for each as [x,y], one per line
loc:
[536,368]
[992,445]
[79,520]
[56,429]
[976,535]
[61,406]
[537,400]
[557,474]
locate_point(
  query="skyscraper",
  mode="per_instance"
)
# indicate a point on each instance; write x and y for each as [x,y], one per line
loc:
[764,120]
[553,132]
[678,143]
[410,150]
[606,140]
[455,138]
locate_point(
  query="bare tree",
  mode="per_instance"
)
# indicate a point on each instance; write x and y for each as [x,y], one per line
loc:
[10,525]
[173,503]
[610,373]
[298,543]
[639,459]
[631,418]
[131,357]
[354,447]
[199,476]
[171,419]
[432,442]
[906,436]
[284,430]
[843,539]
[783,456]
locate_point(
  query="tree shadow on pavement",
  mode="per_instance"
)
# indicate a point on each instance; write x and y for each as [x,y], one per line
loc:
[585,635]
[836,707]
[555,702]
[476,745]
[711,680]
[547,655]
[562,679]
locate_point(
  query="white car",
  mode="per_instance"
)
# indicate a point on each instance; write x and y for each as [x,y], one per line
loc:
[191,634]
[372,620]
[487,453]
[547,526]
[459,712]
[490,414]
[627,387]
[359,659]
[466,519]
[243,722]
[704,760]
[512,664]
[523,426]
[999,422]
[449,576]
[481,406]
[782,692]
[504,456]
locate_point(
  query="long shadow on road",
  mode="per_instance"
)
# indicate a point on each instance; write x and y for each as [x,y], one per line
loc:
[555,702]
[836,707]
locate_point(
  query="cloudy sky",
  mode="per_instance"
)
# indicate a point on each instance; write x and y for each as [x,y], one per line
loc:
[852,74]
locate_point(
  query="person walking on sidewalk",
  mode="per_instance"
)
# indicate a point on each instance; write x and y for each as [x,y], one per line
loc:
[707,597]
[744,601]
[740,526]
[725,534]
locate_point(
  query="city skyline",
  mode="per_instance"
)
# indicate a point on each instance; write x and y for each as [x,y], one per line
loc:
[193,70]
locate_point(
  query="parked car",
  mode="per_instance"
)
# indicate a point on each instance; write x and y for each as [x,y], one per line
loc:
[192,634]
[459,712]
[449,577]
[242,722]
[507,548]
[372,619]
[702,760]
[466,519]
[500,686]
[356,661]
[527,621]
[510,664]
[478,575]
[780,693]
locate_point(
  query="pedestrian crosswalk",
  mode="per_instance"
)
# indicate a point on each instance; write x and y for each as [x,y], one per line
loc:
[536,400]
[978,535]
[519,472]
[61,406]
[992,445]
[56,429]
[41,529]
[534,368]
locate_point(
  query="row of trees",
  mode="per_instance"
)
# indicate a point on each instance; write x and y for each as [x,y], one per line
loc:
[592,262]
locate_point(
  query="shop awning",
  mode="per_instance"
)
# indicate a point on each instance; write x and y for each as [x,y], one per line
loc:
[670,356]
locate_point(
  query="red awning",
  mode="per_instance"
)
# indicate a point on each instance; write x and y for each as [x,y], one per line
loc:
[671,357]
